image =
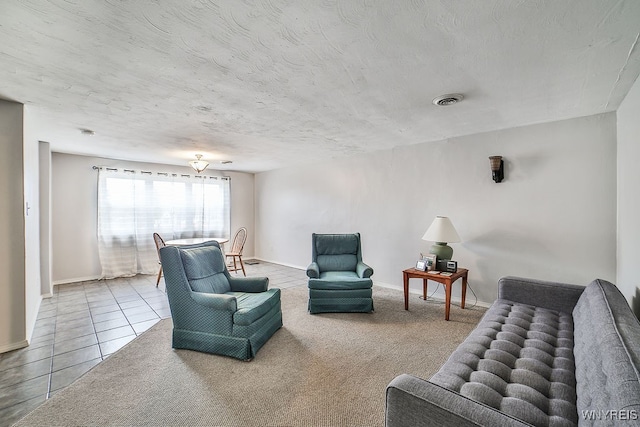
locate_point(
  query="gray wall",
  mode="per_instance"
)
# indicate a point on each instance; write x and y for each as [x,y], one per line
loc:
[553,217]
[629,196]
[75,209]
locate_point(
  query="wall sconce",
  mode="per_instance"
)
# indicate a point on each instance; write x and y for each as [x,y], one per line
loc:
[199,165]
[497,168]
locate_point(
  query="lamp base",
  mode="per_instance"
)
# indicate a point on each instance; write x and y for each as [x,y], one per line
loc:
[441,250]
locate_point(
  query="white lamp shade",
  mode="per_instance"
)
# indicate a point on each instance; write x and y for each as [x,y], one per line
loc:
[442,230]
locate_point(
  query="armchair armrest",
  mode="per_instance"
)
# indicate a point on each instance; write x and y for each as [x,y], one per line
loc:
[313,271]
[248,284]
[411,401]
[216,301]
[551,295]
[363,270]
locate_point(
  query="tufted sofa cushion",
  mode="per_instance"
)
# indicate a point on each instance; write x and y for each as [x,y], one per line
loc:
[519,360]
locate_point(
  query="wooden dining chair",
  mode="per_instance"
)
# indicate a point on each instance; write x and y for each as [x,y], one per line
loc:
[159,244]
[236,250]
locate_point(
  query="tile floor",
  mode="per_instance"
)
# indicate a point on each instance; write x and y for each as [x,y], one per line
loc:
[82,324]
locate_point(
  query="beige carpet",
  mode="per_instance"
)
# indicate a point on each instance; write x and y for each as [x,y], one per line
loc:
[320,370]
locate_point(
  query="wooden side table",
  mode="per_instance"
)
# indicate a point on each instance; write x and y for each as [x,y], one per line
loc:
[447,281]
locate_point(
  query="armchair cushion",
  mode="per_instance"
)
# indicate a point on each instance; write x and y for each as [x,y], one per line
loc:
[340,280]
[252,306]
[337,244]
[337,252]
[204,272]
[339,262]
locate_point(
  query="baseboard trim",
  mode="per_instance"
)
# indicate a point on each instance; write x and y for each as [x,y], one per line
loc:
[13,346]
[279,263]
[75,280]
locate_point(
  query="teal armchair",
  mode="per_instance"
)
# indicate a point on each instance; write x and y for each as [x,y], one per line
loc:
[212,311]
[338,279]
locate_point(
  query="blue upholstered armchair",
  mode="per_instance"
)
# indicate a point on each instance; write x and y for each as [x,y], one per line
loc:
[213,311]
[338,279]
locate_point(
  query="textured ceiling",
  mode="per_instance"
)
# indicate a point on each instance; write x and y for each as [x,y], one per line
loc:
[272,83]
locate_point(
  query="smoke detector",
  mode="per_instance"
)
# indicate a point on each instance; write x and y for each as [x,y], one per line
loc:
[448,99]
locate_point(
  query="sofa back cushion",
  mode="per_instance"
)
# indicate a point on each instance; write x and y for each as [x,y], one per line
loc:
[607,354]
[205,269]
[337,252]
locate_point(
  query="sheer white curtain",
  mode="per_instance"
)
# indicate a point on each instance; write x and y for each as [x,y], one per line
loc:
[132,205]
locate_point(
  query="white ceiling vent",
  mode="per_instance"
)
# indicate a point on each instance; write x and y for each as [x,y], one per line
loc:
[448,99]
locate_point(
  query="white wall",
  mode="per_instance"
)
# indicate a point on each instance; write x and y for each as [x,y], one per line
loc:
[74,211]
[629,197]
[12,250]
[553,218]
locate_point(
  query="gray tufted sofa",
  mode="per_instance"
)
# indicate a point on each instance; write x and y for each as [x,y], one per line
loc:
[544,354]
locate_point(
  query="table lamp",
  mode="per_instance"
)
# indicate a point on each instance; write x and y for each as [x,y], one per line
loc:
[441,232]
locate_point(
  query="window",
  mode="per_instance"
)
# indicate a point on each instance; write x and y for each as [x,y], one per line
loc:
[133,205]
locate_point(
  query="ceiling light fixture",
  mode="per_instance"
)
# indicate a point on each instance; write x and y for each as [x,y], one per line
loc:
[448,99]
[226,162]
[199,165]
[87,132]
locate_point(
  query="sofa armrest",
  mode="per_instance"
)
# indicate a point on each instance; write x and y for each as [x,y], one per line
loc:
[248,284]
[411,401]
[363,270]
[313,271]
[550,295]
[216,301]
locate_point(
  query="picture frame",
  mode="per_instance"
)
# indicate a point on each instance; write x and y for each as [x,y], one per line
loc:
[421,265]
[430,260]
